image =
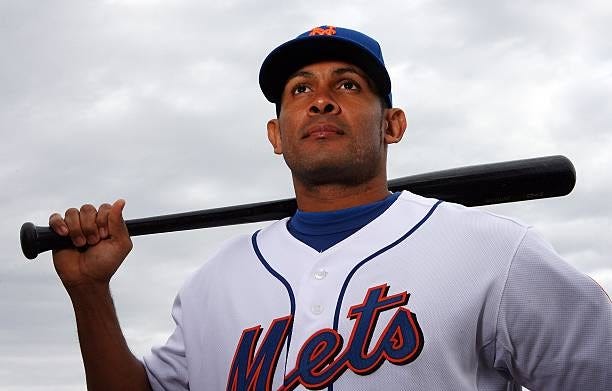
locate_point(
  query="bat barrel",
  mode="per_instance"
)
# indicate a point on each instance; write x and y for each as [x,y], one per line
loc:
[495,183]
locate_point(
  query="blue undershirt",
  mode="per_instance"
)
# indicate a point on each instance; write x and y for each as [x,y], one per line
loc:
[322,230]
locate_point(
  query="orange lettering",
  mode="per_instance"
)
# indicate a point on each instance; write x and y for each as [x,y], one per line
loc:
[330,30]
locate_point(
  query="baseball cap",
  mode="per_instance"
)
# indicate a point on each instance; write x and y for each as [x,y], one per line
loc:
[321,44]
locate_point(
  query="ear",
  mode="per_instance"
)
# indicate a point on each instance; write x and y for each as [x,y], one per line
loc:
[394,125]
[274,136]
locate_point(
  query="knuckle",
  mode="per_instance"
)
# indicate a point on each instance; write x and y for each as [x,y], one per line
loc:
[102,216]
[88,208]
[89,230]
[55,218]
[71,212]
[75,230]
[57,224]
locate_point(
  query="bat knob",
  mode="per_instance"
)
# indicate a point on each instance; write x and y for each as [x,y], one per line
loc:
[29,238]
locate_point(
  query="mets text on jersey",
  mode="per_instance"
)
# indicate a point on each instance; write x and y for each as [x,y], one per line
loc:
[320,360]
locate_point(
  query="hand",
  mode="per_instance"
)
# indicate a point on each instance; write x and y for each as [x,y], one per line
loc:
[102,242]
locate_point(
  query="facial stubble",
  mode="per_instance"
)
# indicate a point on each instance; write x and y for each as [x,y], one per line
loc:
[357,164]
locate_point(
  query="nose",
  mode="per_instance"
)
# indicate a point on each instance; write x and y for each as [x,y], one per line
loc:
[324,105]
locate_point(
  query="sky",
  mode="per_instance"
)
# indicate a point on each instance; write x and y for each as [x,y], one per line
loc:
[158,103]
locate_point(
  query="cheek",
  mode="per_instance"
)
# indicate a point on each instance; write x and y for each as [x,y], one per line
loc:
[289,126]
[371,124]
[287,137]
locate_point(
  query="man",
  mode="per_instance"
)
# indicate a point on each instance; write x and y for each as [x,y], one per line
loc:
[360,289]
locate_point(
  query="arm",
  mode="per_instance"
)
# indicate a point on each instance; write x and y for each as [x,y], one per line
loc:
[554,328]
[86,274]
[109,363]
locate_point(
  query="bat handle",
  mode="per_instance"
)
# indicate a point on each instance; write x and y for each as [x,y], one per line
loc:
[35,240]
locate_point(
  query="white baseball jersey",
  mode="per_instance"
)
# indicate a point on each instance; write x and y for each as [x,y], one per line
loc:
[428,296]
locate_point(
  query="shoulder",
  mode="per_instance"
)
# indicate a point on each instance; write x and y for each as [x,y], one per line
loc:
[538,268]
[234,262]
[228,260]
[458,219]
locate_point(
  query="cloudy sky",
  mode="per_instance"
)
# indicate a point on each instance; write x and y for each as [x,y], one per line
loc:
[158,102]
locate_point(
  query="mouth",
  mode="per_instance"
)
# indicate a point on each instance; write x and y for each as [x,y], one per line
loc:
[322,131]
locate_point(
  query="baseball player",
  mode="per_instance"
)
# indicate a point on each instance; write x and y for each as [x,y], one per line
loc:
[360,289]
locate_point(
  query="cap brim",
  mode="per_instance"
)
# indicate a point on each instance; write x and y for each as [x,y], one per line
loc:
[288,58]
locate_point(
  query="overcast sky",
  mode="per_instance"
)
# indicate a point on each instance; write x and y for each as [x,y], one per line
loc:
[158,102]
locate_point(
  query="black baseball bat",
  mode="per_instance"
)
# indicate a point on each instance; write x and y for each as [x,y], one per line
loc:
[493,183]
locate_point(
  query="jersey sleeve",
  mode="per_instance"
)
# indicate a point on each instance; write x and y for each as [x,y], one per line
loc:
[554,325]
[166,365]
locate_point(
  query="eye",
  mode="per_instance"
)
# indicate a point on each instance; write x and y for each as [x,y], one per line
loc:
[300,89]
[349,85]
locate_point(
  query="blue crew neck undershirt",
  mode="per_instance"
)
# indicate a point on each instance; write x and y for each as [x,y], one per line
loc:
[322,230]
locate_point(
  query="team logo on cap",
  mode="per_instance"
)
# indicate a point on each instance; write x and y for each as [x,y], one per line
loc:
[323,30]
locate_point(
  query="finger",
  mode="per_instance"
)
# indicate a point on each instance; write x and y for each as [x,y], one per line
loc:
[116,226]
[73,222]
[89,227]
[102,220]
[57,223]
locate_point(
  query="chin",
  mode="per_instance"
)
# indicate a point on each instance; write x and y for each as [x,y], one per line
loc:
[335,174]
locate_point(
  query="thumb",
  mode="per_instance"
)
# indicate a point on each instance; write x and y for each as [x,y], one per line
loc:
[116,224]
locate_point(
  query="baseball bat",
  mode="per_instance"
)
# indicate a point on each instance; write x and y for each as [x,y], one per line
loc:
[493,183]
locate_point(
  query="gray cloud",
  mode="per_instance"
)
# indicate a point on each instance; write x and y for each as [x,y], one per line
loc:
[158,103]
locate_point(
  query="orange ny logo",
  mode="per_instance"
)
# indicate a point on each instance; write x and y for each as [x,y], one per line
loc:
[330,30]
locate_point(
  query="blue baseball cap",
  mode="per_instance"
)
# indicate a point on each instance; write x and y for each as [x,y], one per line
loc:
[322,44]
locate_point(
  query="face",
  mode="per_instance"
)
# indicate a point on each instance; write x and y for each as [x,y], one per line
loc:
[332,126]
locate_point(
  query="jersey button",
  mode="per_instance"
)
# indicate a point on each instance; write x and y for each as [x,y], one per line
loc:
[317,309]
[320,274]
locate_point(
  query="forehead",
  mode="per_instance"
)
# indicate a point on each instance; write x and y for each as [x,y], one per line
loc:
[327,68]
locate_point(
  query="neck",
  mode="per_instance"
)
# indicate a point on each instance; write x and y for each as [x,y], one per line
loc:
[323,198]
